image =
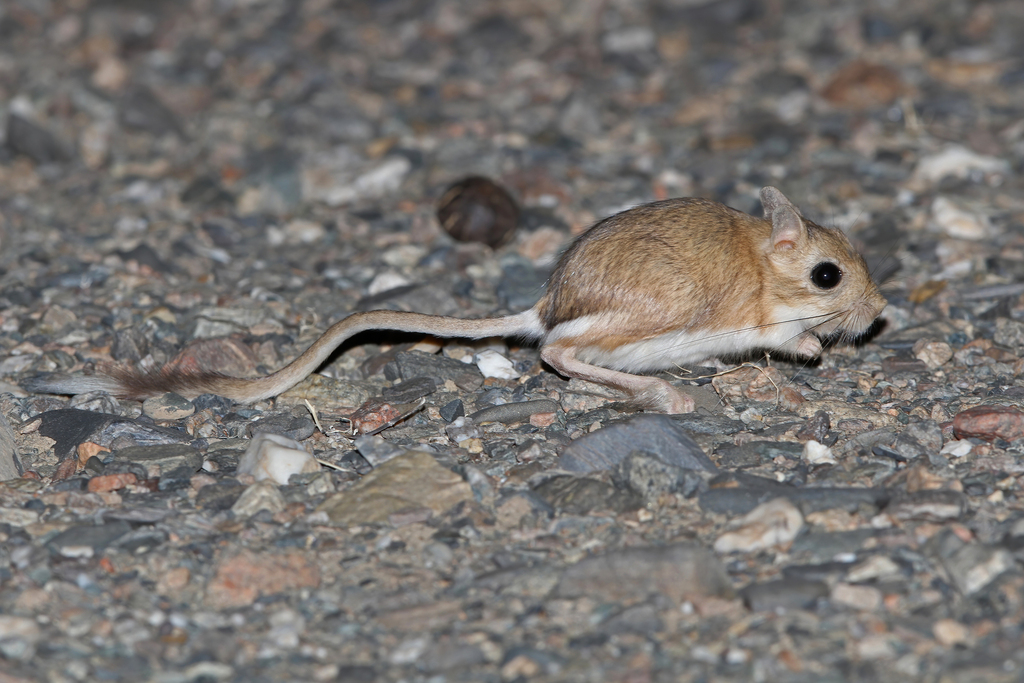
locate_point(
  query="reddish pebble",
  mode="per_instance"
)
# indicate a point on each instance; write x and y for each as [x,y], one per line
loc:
[989,423]
[373,415]
[543,419]
[111,482]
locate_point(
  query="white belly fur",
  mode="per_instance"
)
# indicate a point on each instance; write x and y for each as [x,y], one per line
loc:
[672,349]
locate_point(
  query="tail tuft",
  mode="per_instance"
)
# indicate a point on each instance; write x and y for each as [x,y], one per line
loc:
[70,385]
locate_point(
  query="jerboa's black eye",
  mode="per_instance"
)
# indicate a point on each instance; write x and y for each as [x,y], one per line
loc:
[826,275]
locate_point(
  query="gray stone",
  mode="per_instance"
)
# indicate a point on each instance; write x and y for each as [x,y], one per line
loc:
[919,439]
[172,459]
[581,495]
[975,566]
[297,427]
[651,478]
[509,413]
[659,435]
[751,491]
[263,495]
[453,410]
[701,423]
[37,143]
[1010,333]
[783,594]
[410,390]
[756,453]
[10,465]
[676,571]
[87,540]
[929,505]
[168,407]
[415,364]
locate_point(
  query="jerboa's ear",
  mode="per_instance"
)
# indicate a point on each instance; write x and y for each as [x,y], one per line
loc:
[788,229]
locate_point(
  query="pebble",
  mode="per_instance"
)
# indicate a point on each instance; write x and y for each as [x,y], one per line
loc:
[410,390]
[411,365]
[277,458]
[294,427]
[263,495]
[453,410]
[873,568]
[584,495]
[989,422]
[950,632]
[818,454]
[658,435]
[1009,333]
[919,439]
[783,594]
[27,137]
[929,505]
[678,571]
[376,449]
[10,465]
[974,566]
[86,541]
[241,578]
[167,407]
[111,482]
[772,524]
[165,461]
[373,416]
[861,598]
[19,637]
[959,162]
[411,480]
[511,413]
[935,354]
[649,477]
[493,364]
[476,209]
[958,223]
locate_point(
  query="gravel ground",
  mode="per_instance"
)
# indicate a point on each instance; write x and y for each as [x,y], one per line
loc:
[217,181]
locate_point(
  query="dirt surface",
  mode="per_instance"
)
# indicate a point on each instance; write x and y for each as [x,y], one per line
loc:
[217,181]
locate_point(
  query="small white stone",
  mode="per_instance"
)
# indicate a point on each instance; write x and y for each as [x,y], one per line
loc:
[276,457]
[263,495]
[957,449]
[959,162]
[818,454]
[775,523]
[493,364]
[959,223]
[933,353]
[385,282]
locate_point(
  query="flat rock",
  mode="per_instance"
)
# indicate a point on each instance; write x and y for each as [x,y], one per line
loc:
[659,435]
[929,505]
[409,390]
[581,495]
[676,571]
[242,578]
[840,410]
[168,407]
[783,594]
[509,413]
[87,540]
[989,422]
[415,364]
[772,524]
[169,458]
[10,466]
[411,480]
